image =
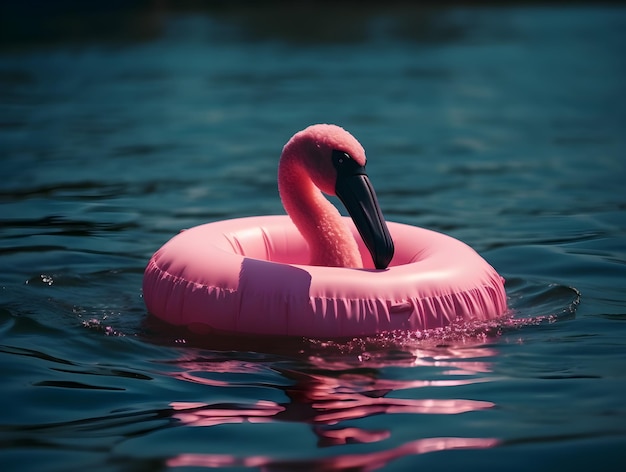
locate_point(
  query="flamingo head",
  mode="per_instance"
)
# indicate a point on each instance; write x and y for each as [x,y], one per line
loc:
[335,162]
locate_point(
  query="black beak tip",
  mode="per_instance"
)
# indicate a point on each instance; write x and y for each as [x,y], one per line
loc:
[383,254]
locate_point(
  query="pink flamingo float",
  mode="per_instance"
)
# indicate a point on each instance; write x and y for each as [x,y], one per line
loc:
[315,273]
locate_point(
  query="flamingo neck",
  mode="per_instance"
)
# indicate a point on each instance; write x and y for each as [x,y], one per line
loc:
[330,241]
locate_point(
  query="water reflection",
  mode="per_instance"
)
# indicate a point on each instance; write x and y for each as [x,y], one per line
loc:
[362,462]
[333,394]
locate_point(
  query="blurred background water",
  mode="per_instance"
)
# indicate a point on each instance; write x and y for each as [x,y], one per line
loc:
[123,122]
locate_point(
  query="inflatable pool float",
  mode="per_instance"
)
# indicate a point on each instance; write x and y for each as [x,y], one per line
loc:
[315,273]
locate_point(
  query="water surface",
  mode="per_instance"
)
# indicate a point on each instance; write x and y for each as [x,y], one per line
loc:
[503,127]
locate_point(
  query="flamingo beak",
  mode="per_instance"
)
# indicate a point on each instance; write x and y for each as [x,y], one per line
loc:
[355,191]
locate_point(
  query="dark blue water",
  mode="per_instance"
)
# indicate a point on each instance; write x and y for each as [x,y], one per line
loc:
[503,127]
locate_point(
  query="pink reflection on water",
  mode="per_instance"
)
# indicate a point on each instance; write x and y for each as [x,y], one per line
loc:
[326,412]
[206,371]
[331,390]
[201,414]
[364,462]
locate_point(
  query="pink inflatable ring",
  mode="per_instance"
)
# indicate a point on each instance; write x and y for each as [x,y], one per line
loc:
[251,276]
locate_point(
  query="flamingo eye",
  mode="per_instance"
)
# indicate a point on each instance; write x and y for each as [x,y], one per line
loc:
[345,165]
[340,157]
